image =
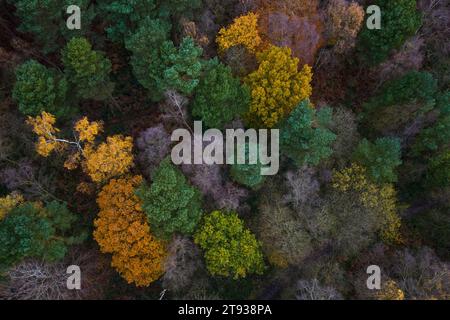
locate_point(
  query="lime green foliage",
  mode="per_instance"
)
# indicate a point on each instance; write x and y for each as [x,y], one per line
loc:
[158,65]
[400,19]
[171,203]
[231,250]
[32,231]
[436,136]
[380,158]
[87,70]
[304,136]
[40,89]
[248,174]
[46,20]
[219,97]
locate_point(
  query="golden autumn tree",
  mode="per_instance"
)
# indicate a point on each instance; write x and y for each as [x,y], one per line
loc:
[122,230]
[9,202]
[382,199]
[390,291]
[100,161]
[277,86]
[243,31]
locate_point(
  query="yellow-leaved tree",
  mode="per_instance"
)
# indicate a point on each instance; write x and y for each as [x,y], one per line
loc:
[9,202]
[243,31]
[277,86]
[382,199]
[100,161]
[122,230]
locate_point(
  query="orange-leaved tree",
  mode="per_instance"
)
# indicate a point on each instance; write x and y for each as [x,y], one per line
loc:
[277,86]
[122,230]
[100,161]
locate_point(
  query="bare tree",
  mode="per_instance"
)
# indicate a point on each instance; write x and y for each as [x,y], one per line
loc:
[312,290]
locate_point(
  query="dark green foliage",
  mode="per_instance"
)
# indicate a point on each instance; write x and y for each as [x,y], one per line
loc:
[30,231]
[125,16]
[178,7]
[46,20]
[171,203]
[438,135]
[380,158]
[413,87]
[146,60]
[399,20]
[304,137]
[219,97]
[438,173]
[248,174]
[158,65]
[432,226]
[182,65]
[40,89]
[87,70]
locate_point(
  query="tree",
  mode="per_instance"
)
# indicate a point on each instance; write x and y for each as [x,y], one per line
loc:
[125,16]
[379,201]
[153,145]
[110,159]
[122,230]
[243,31]
[231,250]
[390,291]
[46,20]
[183,66]
[32,230]
[400,103]
[219,97]
[438,173]
[183,261]
[284,240]
[343,24]
[146,60]
[10,202]
[100,161]
[170,202]
[40,89]
[277,86]
[344,125]
[248,174]
[158,65]
[380,158]
[240,60]
[87,70]
[297,25]
[313,290]
[415,86]
[400,20]
[34,279]
[436,136]
[302,187]
[304,136]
